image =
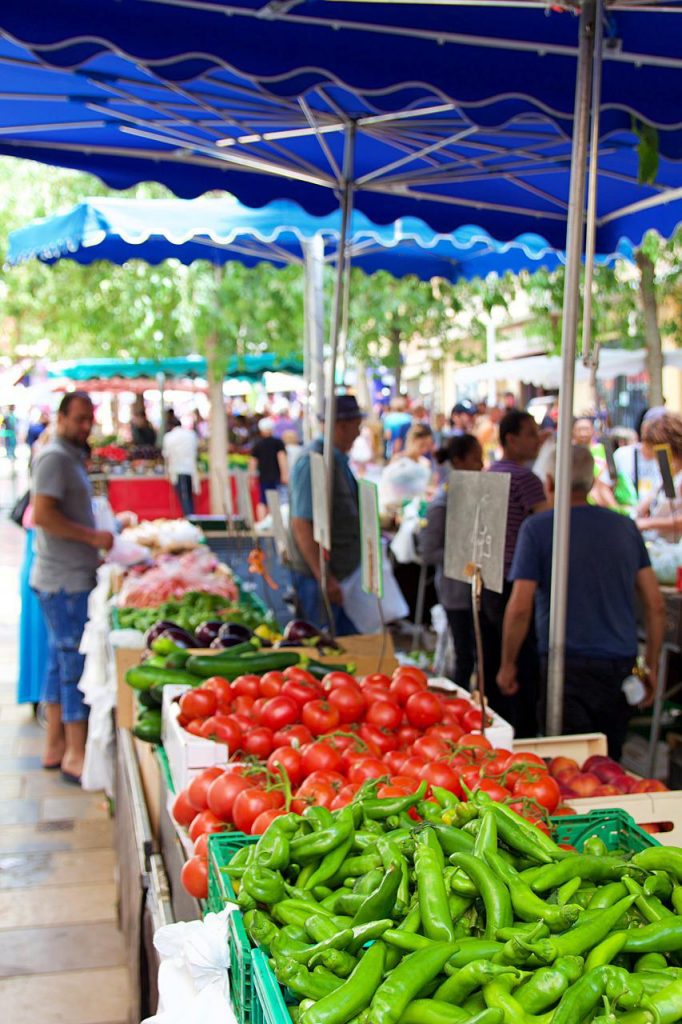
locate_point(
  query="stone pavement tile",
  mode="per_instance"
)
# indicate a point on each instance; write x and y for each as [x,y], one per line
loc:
[28,746]
[81,805]
[72,948]
[59,835]
[19,812]
[68,904]
[24,870]
[18,730]
[45,783]
[16,713]
[72,997]
[13,787]
[12,765]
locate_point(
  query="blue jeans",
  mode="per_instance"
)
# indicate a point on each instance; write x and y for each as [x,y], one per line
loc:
[183,489]
[65,617]
[311,606]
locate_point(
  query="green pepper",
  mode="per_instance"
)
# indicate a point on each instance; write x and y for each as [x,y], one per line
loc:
[340,940]
[519,834]
[330,864]
[606,895]
[354,995]
[547,985]
[363,933]
[589,868]
[595,846]
[378,809]
[583,997]
[497,996]
[605,951]
[493,892]
[658,884]
[312,984]
[309,848]
[320,927]
[474,949]
[295,911]
[272,849]
[650,907]
[381,902]
[663,937]
[237,866]
[660,858]
[433,898]
[676,899]
[391,856]
[453,840]
[260,928]
[585,934]
[526,904]
[406,981]
[649,961]
[469,978]
[263,884]
[339,961]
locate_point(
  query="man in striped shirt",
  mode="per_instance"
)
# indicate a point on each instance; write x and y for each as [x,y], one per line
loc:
[520,441]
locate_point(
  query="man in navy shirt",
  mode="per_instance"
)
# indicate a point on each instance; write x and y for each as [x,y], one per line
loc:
[608,566]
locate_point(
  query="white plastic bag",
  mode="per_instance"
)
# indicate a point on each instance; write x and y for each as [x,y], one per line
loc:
[103,513]
[194,984]
[362,609]
[126,552]
[98,689]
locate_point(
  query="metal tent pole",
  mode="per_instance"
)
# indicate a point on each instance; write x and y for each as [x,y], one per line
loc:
[574,244]
[591,218]
[315,282]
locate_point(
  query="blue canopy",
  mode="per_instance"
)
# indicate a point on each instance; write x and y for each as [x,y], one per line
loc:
[249,367]
[451,141]
[219,230]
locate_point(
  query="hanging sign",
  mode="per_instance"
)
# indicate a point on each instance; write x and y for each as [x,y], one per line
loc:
[320,495]
[244,505]
[370,539]
[280,534]
[476,526]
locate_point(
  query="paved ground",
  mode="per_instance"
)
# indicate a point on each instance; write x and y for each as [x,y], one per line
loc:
[61,955]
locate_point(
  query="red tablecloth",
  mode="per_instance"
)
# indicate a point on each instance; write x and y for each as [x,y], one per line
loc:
[155,498]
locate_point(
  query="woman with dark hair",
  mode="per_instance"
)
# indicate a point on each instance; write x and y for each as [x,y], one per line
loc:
[664,516]
[461,452]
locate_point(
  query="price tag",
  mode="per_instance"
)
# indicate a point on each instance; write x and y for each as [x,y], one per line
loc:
[244,505]
[476,526]
[665,464]
[320,494]
[280,534]
[370,539]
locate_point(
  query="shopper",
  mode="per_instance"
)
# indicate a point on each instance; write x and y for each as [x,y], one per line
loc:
[463,453]
[63,574]
[345,525]
[180,447]
[520,441]
[662,516]
[142,432]
[608,567]
[269,461]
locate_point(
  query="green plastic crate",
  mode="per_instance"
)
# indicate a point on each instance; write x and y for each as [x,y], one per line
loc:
[616,828]
[221,850]
[269,1006]
[165,768]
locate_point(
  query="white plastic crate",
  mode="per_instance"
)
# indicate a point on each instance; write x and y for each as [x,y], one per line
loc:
[187,754]
[500,733]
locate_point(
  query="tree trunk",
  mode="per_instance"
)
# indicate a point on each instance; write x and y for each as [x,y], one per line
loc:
[217,443]
[398,364]
[652,334]
[363,395]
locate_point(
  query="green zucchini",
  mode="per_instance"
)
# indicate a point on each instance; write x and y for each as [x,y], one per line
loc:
[229,668]
[148,726]
[143,677]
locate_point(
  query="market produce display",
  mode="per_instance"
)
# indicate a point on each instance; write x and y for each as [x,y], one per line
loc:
[173,576]
[598,776]
[370,917]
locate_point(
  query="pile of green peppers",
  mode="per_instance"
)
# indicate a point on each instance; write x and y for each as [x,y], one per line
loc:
[369,916]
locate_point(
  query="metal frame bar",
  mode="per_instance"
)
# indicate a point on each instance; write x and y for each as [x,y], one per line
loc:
[574,246]
[592,181]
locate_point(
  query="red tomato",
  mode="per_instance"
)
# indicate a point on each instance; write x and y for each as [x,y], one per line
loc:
[402,688]
[349,702]
[250,803]
[243,705]
[257,709]
[301,690]
[472,739]
[335,779]
[320,757]
[278,712]
[541,787]
[450,733]
[563,810]
[407,734]
[389,789]
[246,686]
[205,821]
[344,796]
[293,736]
[183,811]
[423,710]
[271,684]
[470,775]
[201,846]
[376,679]
[198,787]
[259,742]
[290,760]
[406,782]
[198,703]
[440,775]
[472,720]
[372,693]
[222,729]
[223,792]
[334,679]
[381,739]
[320,794]
[385,714]
[394,760]
[494,790]
[265,819]
[320,716]
[412,767]
[221,688]
[194,877]
[412,672]
[243,720]
[458,705]
[366,768]
[299,674]
[430,748]
[524,757]
[195,726]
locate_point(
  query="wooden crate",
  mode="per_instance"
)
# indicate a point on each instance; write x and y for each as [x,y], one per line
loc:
[579,746]
[150,773]
[125,696]
[663,810]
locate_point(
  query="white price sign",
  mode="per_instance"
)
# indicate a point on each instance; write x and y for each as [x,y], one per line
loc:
[280,534]
[244,505]
[476,526]
[320,494]
[370,539]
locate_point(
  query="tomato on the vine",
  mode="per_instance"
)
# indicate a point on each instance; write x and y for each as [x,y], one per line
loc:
[246,686]
[412,672]
[183,811]
[298,674]
[290,760]
[494,790]
[382,740]
[320,716]
[265,819]
[430,748]
[394,760]
[194,877]
[332,680]
[441,775]
[319,756]
[344,796]
[376,679]
[271,684]
[205,821]
[223,792]
[540,787]
[222,729]
[384,714]
[279,711]
[197,790]
[301,690]
[293,736]
[259,742]
[423,709]
[252,802]
[403,687]
[366,768]
[221,688]
[199,703]
[320,794]
[349,702]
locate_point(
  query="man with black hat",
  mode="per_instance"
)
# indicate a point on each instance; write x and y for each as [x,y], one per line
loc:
[462,417]
[345,527]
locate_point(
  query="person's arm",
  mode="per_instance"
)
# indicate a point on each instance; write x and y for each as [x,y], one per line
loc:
[302,530]
[517,620]
[283,464]
[431,538]
[253,466]
[49,517]
[662,523]
[654,619]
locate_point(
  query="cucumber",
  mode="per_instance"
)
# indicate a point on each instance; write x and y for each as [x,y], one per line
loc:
[206,665]
[144,677]
[148,726]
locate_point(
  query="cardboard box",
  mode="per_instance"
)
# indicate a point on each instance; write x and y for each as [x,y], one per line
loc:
[579,746]
[150,773]
[187,754]
[368,652]
[125,696]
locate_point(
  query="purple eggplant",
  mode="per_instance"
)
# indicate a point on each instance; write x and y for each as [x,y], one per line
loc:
[222,642]
[235,629]
[208,631]
[156,630]
[298,630]
[179,636]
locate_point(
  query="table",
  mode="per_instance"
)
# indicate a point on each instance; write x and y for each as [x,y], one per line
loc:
[154,497]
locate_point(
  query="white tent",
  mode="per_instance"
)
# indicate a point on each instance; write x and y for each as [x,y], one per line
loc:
[545,371]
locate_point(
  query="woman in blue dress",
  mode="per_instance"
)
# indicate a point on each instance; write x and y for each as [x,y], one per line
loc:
[32,632]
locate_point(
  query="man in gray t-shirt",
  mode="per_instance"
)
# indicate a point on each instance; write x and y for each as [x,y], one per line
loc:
[63,574]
